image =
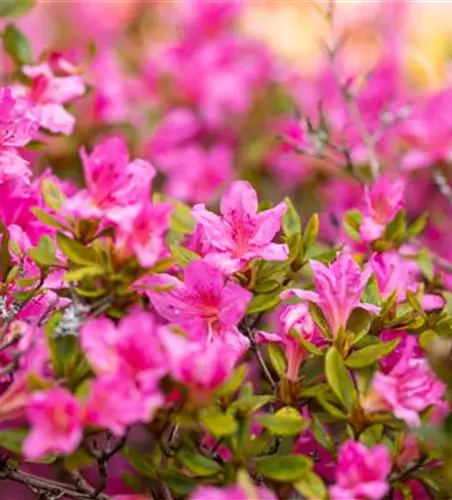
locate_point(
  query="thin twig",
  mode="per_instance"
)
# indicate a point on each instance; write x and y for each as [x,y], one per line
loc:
[442,184]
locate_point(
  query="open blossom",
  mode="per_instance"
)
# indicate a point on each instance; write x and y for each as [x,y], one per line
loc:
[241,234]
[383,200]
[361,473]
[114,183]
[116,403]
[131,350]
[339,288]
[394,271]
[201,367]
[297,318]
[206,305]
[408,389]
[142,233]
[54,83]
[56,419]
[19,122]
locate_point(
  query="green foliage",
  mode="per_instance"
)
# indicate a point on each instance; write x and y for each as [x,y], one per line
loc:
[283,468]
[370,355]
[339,379]
[285,422]
[16,45]
[44,253]
[12,8]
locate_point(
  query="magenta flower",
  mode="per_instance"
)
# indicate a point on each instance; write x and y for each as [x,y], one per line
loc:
[394,271]
[50,93]
[206,305]
[199,366]
[56,419]
[241,234]
[115,403]
[142,233]
[339,288]
[408,389]
[131,350]
[114,183]
[383,200]
[295,317]
[361,473]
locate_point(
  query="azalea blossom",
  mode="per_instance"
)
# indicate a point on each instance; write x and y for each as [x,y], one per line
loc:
[339,287]
[232,492]
[206,304]
[361,472]
[241,234]
[383,200]
[294,319]
[54,83]
[408,389]
[132,350]
[114,183]
[56,419]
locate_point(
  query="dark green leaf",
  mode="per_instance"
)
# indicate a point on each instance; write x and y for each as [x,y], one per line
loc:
[16,45]
[12,439]
[198,464]
[142,463]
[369,355]
[283,468]
[263,302]
[177,482]
[321,435]
[339,379]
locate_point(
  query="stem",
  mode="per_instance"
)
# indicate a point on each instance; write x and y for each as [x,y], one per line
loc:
[442,184]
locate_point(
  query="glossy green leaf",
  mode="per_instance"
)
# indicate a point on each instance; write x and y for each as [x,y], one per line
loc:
[219,424]
[76,252]
[233,383]
[178,483]
[16,45]
[339,379]
[198,464]
[311,348]
[369,355]
[263,302]
[277,359]
[321,435]
[283,468]
[285,422]
[311,487]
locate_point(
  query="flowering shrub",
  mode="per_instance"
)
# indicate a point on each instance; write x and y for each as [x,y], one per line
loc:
[166,332]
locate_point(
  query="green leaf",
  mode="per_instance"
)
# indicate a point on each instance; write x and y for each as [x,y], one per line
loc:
[352,223]
[311,231]
[177,482]
[369,355]
[44,253]
[372,292]
[277,359]
[12,439]
[321,435]
[53,196]
[16,45]
[372,435]
[5,257]
[142,463]
[182,221]
[283,468]
[339,379]
[10,8]
[183,255]
[320,320]
[359,323]
[47,219]
[219,424]
[285,422]
[233,383]
[198,464]
[311,487]
[415,304]
[249,404]
[76,252]
[270,276]
[396,229]
[311,348]
[263,302]
[291,222]
[426,338]
[84,272]
[425,262]
[417,227]
[79,459]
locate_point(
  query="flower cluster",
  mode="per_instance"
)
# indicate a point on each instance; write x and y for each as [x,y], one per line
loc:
[171,324]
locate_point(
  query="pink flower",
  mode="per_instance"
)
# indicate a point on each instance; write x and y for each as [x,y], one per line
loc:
[114,183]
[131,350]
[50,92]
[295,317]
[56,419]
[394,271]
[206,305]
[339,288]
[19,122]
[201,367]
[232,493]
[241,234]
[361,473]
[388,362]
[142,233]
[409,388]
[115,403]
[383,200]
